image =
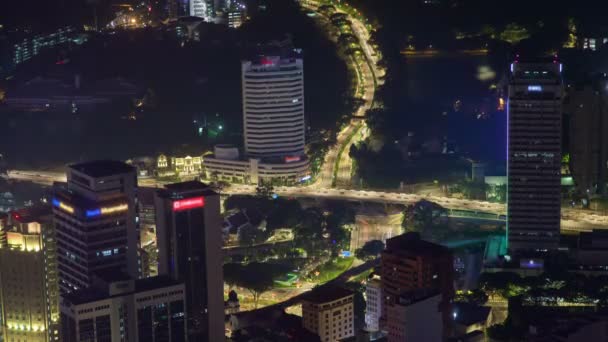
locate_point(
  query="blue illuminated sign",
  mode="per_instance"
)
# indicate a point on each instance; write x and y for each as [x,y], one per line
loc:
[346,254]
[535,88]
[56,202]
[93,213]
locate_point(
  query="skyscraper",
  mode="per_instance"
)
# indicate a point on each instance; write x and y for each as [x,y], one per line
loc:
[188,225]
[410,264]
[588,109]
[273,106]
[534,155]
[29,292]
[95,219]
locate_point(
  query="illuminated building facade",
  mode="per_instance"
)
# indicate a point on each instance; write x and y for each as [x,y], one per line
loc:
[534,155]
[273,106]
[373,304]
[28,47]
[202,9]
[236,14]
[181,166]
[410,264]
[189,239]
[96,222]
[329,313]
[29,292]
[125,310]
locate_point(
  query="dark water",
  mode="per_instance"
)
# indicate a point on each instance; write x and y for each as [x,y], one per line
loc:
[430,88]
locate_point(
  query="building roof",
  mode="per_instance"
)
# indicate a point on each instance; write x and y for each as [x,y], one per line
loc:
[416,296]
[190,186]
[468,314]
[326,294]
[103,168]
[145,195]
[147,284]
[412,243]
[40,214]
[97,293]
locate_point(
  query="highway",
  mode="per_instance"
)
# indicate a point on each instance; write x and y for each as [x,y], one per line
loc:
[352,132]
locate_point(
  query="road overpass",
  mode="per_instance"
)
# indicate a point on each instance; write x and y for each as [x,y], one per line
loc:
[572,219]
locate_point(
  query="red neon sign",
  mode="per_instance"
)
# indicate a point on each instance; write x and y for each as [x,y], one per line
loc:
[189,203]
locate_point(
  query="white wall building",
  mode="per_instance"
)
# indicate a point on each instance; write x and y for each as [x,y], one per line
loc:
[126,310]
[329,313]
[373,300]
[273,106]
[202,9]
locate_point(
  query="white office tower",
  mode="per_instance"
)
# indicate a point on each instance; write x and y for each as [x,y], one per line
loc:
[273,106]
[202,9]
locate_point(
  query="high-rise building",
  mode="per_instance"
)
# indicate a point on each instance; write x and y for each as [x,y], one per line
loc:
[236,14]
[534,155]
[202,9]
[116,308]
[29,292]
[588,143]
[96,222]
[373,303]
[409,264]
[273,106]
[329,313]
[189,239]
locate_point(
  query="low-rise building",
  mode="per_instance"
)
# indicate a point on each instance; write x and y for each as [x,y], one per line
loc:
[226,164]
[328,312]
[120,309]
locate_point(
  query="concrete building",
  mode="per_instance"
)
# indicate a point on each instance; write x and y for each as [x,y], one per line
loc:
[125,310]
[237,13]
[409,264]
[273,106]
[588,109]
[19,46]
[200,8]
[96,222]
[29,293]
[416,316]
[328,312]
[223,165]
[189,239]
[534,155]
[373,301]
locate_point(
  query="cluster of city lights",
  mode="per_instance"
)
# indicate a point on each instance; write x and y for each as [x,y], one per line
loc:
[23,327]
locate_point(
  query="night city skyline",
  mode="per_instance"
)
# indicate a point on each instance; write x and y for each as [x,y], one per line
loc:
[303,170]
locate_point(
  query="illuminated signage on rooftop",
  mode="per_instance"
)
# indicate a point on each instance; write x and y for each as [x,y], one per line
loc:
[107,210]
[58,204]
[535,88]
[189,203]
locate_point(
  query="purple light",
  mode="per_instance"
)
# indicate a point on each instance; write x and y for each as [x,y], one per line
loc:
[512,67]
